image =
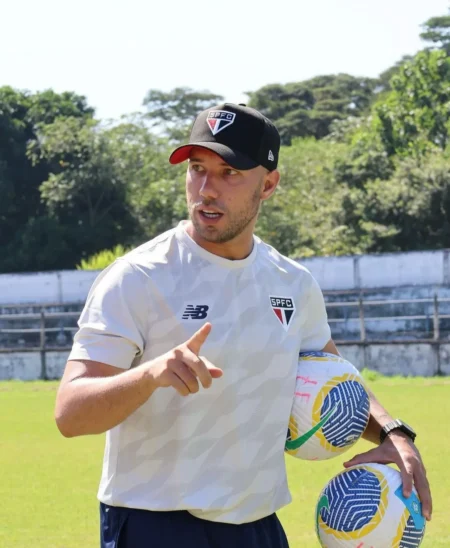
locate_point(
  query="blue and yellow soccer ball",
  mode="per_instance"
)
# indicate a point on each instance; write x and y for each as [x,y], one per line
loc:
[330,409]
[364,506]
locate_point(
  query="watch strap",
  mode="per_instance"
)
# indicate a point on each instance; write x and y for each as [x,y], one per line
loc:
[396,424]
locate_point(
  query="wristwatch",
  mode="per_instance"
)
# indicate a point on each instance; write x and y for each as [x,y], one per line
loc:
[397,424]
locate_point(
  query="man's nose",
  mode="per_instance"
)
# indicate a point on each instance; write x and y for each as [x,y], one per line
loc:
[209,187]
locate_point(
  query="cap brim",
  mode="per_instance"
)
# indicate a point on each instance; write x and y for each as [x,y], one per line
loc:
[232,157]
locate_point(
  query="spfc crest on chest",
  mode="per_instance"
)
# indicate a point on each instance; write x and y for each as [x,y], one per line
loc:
[284,309]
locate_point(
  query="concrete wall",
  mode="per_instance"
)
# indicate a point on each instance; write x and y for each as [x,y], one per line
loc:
[383,276]
[46,287]
[386,270]
[417,359]
[27,366]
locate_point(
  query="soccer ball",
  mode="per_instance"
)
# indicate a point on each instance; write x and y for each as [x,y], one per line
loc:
[330,410]
[364,506]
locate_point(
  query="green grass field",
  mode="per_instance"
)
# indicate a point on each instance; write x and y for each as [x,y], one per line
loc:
[48,484]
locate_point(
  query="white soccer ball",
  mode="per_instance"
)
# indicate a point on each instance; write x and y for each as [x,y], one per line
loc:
[364,507]
[331,407]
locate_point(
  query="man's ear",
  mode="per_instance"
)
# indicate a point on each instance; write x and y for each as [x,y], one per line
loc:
[271,180]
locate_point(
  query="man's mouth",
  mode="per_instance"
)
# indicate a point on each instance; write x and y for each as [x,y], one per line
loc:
[210,214]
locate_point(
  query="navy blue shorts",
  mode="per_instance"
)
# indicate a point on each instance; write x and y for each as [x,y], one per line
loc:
[129,528]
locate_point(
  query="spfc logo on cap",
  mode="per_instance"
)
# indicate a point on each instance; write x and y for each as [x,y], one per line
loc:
[218,120]
[284,309]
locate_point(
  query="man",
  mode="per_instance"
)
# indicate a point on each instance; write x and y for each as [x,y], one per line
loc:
[182,360]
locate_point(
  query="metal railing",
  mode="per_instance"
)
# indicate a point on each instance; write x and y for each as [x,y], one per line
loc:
[362,319]
[44,317]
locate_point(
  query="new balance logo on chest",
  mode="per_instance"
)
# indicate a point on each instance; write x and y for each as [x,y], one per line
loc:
[195,312]
[284,309]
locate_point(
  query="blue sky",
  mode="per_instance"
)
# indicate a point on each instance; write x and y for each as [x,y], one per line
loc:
[113,52]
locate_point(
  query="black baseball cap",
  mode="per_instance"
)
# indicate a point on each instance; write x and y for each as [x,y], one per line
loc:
[239,134]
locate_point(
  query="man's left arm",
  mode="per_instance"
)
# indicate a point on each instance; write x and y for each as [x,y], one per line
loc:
[397,448]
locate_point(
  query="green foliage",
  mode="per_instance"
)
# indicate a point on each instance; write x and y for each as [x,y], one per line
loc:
[85,190]
[437,31]
[21,115]
[173,112]
[41,241]
[48,106]
[102,259]
[155,188]
[383,83]
[364,166]
[410,121]
[414,117]
[305,109]
[366,158]
[303,217]
[411,210]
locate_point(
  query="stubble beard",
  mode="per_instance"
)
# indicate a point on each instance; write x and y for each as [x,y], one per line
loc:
[237,222]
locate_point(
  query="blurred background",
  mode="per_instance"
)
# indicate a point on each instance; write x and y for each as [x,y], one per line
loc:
[93,97]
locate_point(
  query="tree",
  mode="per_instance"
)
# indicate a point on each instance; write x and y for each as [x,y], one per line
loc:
[414,116]
[409,121]
[47,106]
[437,31]
[43,243]
[84,192]
[155,188]
[308,108]
[410,211]
[173,112]
[115,183]
[21,114]
[303,217]
[276,100]
[342,93]
[365,159]
[383,82]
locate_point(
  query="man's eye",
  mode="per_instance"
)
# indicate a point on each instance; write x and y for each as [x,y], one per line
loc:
[197,167]
[230,171]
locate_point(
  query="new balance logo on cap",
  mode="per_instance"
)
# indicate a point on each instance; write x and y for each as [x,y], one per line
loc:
[197,312]
[218,120]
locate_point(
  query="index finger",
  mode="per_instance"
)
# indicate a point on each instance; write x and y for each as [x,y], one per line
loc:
[198,338]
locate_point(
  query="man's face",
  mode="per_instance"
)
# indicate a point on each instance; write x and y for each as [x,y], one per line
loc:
[222,201]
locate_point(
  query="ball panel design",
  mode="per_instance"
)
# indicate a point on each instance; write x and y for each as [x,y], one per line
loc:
[400,529]
[353,402]
[357,503]
[348,399]
[365,506]
[330,410]
[412,537]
